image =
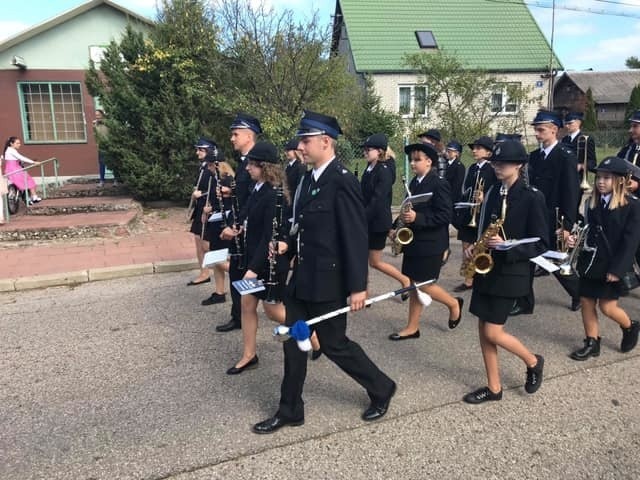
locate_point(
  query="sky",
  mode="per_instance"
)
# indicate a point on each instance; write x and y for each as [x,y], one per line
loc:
[591,38]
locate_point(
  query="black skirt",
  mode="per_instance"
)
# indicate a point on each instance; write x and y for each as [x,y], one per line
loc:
[212,235]
[467,234]
[196,227]
[377,240]
[276,292]
[600,289]
[489,308]
[422,268]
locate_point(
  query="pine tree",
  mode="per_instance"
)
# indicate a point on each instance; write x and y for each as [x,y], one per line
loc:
[590,118]
[633,105]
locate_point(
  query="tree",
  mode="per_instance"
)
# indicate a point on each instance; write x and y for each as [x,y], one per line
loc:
[590,122]
[372,117]
[632,62]
[633,105]
[466,101]
[160,93]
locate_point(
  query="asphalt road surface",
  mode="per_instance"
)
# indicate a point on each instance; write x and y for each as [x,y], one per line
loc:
[125,379]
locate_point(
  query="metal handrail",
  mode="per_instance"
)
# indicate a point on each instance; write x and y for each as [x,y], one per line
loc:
[43,184]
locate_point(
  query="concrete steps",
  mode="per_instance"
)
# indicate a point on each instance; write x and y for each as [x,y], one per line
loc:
[69,205]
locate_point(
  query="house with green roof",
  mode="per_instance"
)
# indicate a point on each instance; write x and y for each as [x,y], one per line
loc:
[499,37]
[42,71]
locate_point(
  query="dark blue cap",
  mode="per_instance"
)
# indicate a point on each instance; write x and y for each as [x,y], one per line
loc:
[544,116]
[510,151]
[503,137]
[454,145]
[431,152]
[243,120]
[377,140]
[484,142]
[571,116]
[432,133]
[263,152]
[615,165]
[292,144]
[635,117]
[313,123]
[205,143]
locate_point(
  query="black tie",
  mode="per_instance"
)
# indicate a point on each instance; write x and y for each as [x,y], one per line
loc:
[543,154]
[603,202]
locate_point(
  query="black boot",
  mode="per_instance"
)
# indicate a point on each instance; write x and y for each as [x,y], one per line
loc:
[630,337]
[591,349]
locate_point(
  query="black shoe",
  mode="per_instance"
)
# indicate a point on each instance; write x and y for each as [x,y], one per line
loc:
[230,325]
[540,272]
[630,337]
[591,349]
[253,363]
[378,410]
[214,298]
[575,304]
[454,323]
[519,310]
[482,395]
[192,282]
[534,376]
[463,287]
[275,423]
[316,354]
[397,336]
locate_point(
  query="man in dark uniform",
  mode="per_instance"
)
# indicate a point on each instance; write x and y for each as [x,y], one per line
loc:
[582,146]
[552,170]
[244,134]
[295,168]
[433,138]
[329,239]
[454,173]
[631,151]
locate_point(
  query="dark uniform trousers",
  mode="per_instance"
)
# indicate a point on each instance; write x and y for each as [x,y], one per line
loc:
[331,262]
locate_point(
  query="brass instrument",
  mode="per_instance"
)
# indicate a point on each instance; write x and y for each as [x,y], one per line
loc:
[404,235]
[272,282]
[582,142]
[481,261]
[561,243]
[568,267]
[479,187]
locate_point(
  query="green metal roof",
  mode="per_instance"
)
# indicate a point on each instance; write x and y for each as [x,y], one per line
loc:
[490,35]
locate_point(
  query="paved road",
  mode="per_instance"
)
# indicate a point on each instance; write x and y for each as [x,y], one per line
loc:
[124,379]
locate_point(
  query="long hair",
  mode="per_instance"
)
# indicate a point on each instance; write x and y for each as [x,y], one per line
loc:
[389,154]
[273,174]
[225,169]
[618,194]
[8,143]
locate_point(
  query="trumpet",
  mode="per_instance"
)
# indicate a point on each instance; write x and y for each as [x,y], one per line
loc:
[568,267]
[582,148]
[561,243]
[404,235]
[479,187]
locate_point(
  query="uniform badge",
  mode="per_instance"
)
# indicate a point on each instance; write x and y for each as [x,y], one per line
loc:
[315,191]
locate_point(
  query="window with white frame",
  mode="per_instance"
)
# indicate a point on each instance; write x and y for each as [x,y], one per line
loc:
[412,100]
[501,101]
[52,112]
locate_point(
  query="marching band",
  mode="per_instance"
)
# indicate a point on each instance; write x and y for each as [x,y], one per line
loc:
[304,237]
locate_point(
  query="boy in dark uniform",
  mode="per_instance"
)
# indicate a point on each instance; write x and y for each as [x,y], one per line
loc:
[295,168]
[631,151]
[329,241]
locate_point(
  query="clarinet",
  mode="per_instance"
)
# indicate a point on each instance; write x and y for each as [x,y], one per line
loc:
[205,219]
[276,224]
[219,196]
[235,210]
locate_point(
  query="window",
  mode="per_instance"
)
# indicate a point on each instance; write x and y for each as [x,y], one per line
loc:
[412,100]
[500,101]
[426,39]
[52,112]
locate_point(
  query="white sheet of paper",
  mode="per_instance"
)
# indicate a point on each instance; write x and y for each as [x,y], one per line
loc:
[214,257]
[465,204]
[215,217]
[544,263]
[555,255]
[508,244]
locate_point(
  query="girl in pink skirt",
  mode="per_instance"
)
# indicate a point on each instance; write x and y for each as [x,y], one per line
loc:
[12,159]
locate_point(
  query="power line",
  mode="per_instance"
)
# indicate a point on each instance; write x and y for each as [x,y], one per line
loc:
[574,9]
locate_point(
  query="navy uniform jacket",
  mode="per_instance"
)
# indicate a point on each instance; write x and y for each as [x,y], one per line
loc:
[331,244]
[621,228]
[580,152]
[377,192]
[294,173]
[259,212]
[455,176]
[391,165]
[203,185]
[630,152]
[557,178]
[244,184]
[463,215]
[526,217]
[431,227]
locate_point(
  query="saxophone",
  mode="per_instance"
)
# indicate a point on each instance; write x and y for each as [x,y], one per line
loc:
[481,261]
[404,235]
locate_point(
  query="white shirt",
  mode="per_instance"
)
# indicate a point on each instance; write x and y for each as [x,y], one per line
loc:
[419,179]
[316,172]
[370,167]
[548,149]
[606,199]
[574,135]
[481,164]
[258,186]
[292,162]
[12,154]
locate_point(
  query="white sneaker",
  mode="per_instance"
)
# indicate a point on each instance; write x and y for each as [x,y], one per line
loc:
[36,199]
[101,184]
